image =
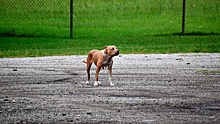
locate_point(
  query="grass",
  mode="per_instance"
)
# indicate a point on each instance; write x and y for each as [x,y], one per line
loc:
[41,28]
[143,18]
[101,18]
[31,47]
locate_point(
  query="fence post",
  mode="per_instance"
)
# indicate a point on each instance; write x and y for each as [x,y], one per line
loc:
[183,16]
[71,18]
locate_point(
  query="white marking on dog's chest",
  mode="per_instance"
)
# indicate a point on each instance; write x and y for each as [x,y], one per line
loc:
[107,60]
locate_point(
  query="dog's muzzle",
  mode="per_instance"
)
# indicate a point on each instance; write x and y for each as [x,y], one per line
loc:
[117,53]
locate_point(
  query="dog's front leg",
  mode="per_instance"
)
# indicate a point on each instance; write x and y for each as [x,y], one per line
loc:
[110,76]
[97,76]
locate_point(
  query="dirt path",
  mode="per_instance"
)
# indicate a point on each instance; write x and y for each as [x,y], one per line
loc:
[149,88]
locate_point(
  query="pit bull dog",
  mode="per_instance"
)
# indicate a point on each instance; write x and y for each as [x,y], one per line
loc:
[102,59]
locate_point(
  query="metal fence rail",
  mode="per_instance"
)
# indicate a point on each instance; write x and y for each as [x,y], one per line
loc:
[101,18]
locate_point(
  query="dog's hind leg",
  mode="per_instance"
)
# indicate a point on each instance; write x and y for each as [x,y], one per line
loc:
[88,72]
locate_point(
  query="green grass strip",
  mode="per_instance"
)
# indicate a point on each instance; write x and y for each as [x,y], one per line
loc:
[32,47]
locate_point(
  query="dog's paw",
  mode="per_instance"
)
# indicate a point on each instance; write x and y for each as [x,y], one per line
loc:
[111,84]
[97,83]
[87,82]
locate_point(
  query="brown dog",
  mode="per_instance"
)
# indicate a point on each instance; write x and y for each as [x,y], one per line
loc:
[102,59]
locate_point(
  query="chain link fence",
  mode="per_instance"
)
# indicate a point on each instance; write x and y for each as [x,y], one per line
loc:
[107,18]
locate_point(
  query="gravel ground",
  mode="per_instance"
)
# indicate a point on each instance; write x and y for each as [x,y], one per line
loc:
[149,88]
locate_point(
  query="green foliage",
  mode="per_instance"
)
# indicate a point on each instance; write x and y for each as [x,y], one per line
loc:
[36,18]
[107,18]
[41,28]
[31,47]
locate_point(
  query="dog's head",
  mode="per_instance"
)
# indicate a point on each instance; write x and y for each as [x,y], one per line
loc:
[111,50]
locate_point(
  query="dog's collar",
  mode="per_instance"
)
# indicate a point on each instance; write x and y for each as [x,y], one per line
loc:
[103,52]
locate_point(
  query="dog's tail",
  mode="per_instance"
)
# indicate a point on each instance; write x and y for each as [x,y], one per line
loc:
[84,61]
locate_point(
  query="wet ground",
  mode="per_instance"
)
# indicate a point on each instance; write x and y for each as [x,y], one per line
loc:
[149,88]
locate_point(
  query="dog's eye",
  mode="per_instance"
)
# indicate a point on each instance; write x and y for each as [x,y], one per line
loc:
[113,48]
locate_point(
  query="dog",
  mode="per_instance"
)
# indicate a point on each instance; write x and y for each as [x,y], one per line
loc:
[102,59]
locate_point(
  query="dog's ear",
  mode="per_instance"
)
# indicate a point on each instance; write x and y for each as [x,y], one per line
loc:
[105,47]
